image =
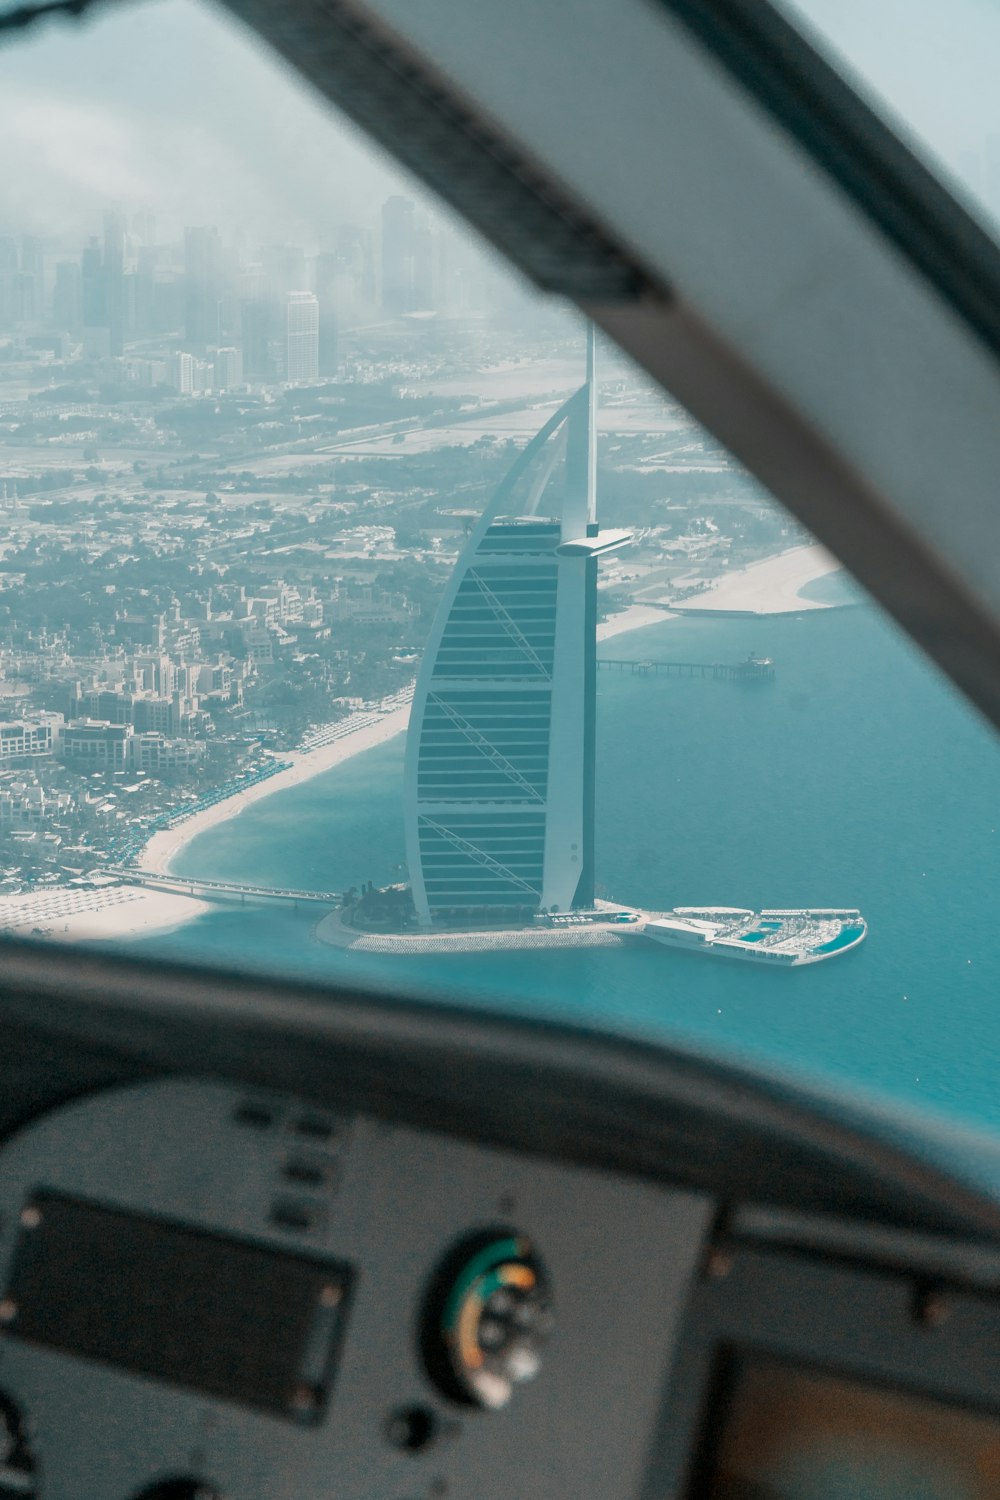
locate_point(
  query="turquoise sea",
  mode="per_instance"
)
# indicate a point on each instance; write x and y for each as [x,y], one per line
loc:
[856,778]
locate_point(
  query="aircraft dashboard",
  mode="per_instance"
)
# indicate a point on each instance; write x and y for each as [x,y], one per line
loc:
[414,1276]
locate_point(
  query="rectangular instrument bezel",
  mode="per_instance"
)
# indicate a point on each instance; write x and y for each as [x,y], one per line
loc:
[241,1321]
[878,1329]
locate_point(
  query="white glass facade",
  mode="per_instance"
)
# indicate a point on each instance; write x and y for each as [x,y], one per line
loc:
[499,777]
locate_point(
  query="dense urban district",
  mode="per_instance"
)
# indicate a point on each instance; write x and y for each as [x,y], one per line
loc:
[233,482]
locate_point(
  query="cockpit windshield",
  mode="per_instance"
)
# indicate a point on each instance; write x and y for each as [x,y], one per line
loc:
[362,617]
[929,71]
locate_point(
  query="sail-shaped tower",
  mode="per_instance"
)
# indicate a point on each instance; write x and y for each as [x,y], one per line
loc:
[499,782]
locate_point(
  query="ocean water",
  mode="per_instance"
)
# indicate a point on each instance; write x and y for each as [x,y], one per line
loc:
[857,778]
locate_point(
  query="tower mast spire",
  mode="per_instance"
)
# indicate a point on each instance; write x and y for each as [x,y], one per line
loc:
[591,426]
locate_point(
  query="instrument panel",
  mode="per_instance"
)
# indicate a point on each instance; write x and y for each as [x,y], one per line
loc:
[209,1293]
[214,1294]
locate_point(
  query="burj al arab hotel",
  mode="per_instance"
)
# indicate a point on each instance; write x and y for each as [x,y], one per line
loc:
[499,781]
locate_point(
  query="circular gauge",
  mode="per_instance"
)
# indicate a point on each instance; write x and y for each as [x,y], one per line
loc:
[487,1318]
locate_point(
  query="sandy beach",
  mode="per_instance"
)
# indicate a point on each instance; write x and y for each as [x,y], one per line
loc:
[163,847]
[75,914]
[770,587]
[636,617]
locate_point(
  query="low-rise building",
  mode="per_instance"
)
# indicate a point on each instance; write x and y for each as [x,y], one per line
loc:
[23,806]
[29,739]
[154,752]
[96,744]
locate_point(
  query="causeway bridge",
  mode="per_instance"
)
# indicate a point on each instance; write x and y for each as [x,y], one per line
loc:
[224,890]
[753,669]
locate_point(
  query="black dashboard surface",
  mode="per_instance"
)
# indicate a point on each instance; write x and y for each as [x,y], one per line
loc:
[265,1241]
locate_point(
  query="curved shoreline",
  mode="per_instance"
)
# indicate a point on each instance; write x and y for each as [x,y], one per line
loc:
[762,588]
[164,847]
[769,587]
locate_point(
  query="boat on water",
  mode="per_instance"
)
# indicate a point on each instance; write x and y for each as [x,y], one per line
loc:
[777,938]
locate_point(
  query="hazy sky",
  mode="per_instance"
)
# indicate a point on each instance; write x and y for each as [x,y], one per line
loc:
[934,63]
[169,105]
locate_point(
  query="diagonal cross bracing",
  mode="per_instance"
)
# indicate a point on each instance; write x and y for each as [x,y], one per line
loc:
[479,855]
[483,745]
[507,622]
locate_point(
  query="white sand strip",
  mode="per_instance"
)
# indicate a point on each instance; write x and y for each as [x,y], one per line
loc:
[636,617]
[770,587]
[74,914]
[123,911]
[163,847]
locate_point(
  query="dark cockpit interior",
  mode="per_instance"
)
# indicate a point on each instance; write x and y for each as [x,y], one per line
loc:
[264,1239]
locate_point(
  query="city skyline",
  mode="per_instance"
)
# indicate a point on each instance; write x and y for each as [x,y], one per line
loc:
[210,311]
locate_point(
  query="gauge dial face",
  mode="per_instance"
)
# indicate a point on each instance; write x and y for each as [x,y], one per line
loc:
[489,1320]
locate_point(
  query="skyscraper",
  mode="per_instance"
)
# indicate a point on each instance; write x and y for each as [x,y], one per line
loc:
[227,369]
[257,322]
[67,304]
[32,275]
[114,279]
[8,280]
[302,326]
[499,782]
[399,249]
[202,286]
[328,273]
[94,296]
[285,269]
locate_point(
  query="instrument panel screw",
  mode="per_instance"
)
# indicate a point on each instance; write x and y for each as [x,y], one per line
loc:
[305,1400]
[933,1309]
[330,1296]
[31,1217]
[8,1310]
[719,1264]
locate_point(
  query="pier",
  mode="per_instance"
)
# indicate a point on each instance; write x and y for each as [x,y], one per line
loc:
[223,890]
[753,669]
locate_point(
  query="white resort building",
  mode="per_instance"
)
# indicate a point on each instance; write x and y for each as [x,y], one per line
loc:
[499,785]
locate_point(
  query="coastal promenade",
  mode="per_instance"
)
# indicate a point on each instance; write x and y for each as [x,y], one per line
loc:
[770,587]
[326,746]
[225,890]
[751,669]
[133,905]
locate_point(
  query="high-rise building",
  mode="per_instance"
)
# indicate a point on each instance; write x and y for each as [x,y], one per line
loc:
[144,227]
[114,279]
[353,248]
[67,297]
[9,272]
[284,269]
[228,369]
[94,297]
[302,337]
[181,372]
[398,255]
[425,267]
[257,327]
[499,781]
[32,276]
[202,286]
[329,276]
